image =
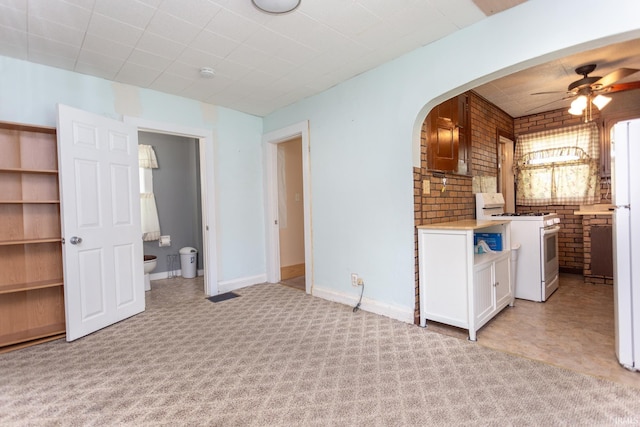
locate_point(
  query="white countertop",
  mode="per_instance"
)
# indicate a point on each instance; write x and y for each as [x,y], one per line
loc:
[597,209]
[465,224]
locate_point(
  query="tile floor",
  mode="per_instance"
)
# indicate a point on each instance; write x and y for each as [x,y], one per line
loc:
[573,329]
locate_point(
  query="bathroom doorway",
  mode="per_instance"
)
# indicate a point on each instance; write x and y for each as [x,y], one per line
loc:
[204,138]
[176,187]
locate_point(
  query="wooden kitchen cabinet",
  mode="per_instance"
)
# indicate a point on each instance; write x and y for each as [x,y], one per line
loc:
[31,285]
[457,286]
[448,136]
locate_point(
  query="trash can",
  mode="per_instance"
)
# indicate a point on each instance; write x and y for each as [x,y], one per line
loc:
[514,266]
[188,262]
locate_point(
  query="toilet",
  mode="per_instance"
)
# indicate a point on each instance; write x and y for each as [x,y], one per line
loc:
[150,262]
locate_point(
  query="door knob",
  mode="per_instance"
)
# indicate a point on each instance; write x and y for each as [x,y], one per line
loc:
[75,240]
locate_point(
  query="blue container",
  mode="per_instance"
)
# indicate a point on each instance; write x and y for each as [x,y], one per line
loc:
[494,240]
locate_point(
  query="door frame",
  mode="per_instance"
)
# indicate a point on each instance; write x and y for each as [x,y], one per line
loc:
[270,143]
[209,237]
[503,139]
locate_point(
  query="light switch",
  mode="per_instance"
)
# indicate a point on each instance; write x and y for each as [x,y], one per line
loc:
[426,186]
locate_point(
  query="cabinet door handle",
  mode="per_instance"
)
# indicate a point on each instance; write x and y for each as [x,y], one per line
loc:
[496,284]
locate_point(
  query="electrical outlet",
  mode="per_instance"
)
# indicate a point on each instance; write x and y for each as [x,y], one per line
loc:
[360,281]
[354,279]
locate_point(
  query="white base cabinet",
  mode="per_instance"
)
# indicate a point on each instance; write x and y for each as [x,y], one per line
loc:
[491,289]
[457,286]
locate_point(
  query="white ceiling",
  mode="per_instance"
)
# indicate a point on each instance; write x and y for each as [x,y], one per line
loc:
[262,62]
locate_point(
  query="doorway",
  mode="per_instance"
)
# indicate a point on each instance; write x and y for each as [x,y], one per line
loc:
[506,172]
[175,184]
[291,213]
[271,141]
[204,142]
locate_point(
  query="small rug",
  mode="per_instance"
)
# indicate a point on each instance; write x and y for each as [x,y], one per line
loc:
[223,297]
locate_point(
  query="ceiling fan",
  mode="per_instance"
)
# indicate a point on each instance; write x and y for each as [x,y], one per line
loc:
[590,89]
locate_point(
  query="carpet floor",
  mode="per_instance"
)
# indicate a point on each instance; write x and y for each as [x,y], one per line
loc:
[278,357]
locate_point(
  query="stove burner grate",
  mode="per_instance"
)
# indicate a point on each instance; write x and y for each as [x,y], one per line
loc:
[522,214]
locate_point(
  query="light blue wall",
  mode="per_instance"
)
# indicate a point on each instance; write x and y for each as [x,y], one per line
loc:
[239,187]
[364,133]
[29,93]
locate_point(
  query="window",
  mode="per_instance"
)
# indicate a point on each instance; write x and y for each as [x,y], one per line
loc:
[558,167]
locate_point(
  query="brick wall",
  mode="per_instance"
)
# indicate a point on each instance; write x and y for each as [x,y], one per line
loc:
[486,120]
[457,202]
[549,120]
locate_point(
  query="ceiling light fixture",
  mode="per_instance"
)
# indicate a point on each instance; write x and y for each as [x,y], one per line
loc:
[582,104]
[276,6]
[601,101]
[578,105]
[207,72]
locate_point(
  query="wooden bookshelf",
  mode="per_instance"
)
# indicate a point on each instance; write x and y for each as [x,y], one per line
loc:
[31,284]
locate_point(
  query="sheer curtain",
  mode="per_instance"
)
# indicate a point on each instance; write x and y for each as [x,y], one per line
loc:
[148,210]
[558,167]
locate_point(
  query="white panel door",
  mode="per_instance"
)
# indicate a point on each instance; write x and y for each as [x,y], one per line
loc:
[483,293]
[504,293]
[100,207]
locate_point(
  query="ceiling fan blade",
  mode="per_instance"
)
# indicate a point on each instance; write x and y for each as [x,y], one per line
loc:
[619,87]
[614,76]
[549,93]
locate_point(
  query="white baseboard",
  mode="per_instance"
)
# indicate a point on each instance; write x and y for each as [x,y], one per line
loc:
[403,314]
[243,282]
[158,276]
[165,274]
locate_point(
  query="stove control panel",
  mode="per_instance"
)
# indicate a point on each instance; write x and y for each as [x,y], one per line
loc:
[551,221]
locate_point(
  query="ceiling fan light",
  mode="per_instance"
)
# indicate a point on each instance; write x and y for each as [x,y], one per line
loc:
[575,111]
[276,6]
[580,103]
[601,101]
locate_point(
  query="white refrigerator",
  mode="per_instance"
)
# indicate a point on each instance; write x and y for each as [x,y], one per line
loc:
[625,175]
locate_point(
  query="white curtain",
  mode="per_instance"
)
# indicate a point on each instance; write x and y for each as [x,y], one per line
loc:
[147,157]
[150,222]
[148,209]
[559,166]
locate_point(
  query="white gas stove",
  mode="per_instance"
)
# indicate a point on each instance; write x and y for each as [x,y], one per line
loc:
[537,233]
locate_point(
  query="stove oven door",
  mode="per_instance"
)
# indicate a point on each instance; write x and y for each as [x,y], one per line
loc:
[549,258]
